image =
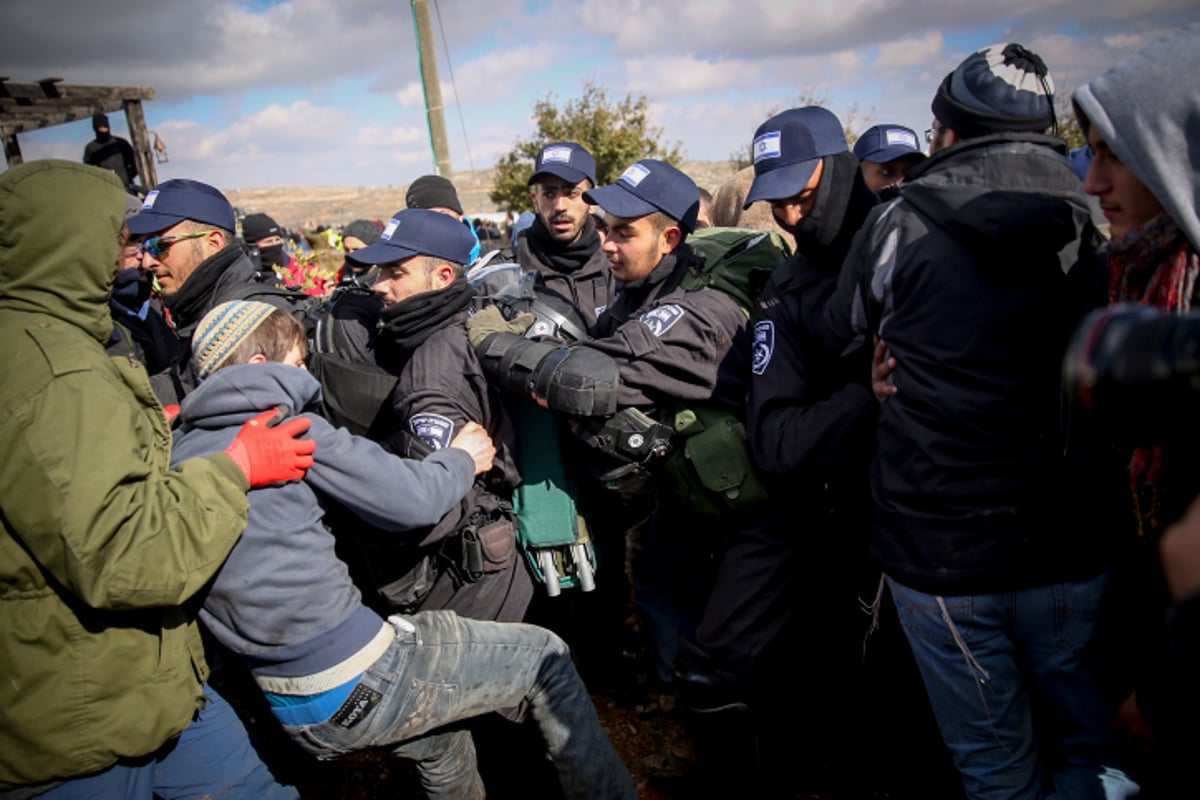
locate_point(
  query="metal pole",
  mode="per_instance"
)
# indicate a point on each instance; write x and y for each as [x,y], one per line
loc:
[434,111]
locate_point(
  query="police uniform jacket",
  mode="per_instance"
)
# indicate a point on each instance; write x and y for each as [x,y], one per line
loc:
[810,413]
[670,344]
[440,388]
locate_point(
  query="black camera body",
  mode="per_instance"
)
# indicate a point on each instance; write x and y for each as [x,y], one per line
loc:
[1134,371]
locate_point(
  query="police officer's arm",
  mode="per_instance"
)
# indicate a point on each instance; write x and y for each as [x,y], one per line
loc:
[675,349]
[100,509]
[439,391]
[792,430]
[576,381]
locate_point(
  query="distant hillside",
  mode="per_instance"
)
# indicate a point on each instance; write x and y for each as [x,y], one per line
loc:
[295,206]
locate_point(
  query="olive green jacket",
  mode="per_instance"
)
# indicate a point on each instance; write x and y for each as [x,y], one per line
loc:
[102,543]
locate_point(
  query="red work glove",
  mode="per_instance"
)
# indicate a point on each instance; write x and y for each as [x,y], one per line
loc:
[171,412]
[270,453]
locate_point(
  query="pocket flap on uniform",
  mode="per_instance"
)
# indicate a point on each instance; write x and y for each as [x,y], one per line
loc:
[715,455]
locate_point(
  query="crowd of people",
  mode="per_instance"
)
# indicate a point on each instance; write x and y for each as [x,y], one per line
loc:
[813,425]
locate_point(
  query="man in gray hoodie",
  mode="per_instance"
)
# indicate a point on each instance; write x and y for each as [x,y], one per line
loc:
[1140,120]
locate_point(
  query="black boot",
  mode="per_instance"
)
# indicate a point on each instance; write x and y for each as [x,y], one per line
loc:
[721,725]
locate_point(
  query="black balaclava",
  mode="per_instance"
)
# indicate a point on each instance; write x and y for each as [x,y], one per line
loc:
[273,256]
[101,121]
[820,227]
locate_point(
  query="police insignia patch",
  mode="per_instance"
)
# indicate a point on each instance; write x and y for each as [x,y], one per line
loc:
[659,320]
[433,428]
[764,345]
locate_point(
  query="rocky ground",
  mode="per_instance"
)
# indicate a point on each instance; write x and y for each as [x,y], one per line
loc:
[298,206]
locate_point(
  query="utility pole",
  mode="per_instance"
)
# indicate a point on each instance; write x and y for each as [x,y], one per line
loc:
[434,111]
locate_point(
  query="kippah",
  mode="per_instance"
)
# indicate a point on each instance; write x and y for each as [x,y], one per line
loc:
[223,330]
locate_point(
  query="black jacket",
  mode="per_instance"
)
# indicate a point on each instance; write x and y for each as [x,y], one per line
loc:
[810,413]
[440,387]
[670,344]
[589,289]
[975,277]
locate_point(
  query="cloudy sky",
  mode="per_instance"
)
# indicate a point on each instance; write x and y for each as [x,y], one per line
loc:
[327,92]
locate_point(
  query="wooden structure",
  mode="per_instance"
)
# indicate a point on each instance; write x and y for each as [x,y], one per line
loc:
[28,107]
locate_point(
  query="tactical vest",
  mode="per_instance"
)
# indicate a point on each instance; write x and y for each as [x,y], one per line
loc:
[710,469]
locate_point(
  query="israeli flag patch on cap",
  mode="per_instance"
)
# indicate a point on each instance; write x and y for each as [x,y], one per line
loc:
[434,429]
[764,345]
[768,145]
[634,175]
[902,137]
[149,202]
[393,223]
[660,320]
[559,154]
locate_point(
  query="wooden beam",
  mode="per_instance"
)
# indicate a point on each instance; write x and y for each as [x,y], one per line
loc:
[140,140]
[75,92]
[48,102]
[23,123]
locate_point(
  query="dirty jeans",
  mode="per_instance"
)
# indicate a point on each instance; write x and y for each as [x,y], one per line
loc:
[989,660]
[442,668]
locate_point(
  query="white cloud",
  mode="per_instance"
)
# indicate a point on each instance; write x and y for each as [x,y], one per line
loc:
[712,69]
[909,52]
[672,76]
[411,96]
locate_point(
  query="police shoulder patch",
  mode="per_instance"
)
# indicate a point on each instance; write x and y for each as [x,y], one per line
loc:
[660,320]
[434,429]
[764,345]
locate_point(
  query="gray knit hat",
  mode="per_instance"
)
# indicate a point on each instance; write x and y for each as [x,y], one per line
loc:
[1001,88]
[223,330]
[364,230]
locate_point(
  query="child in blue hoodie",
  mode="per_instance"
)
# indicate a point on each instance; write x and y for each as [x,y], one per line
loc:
[338,677]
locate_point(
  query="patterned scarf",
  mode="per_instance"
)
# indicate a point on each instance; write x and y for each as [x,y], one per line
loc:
[1154,264]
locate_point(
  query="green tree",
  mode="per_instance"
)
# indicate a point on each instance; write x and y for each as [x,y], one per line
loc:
[1068,126]
[616,133]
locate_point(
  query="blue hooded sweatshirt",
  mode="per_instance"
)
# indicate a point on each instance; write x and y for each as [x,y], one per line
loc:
[283,600]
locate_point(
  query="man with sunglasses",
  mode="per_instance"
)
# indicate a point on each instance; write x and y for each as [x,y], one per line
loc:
[186,234]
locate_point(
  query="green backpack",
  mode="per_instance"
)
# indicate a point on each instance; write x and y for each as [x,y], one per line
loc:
[735,261]
[711,469]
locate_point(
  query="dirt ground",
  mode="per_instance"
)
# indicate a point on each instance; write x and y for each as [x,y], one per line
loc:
[300,206]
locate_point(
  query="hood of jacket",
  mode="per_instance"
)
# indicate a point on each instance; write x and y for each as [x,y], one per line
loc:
[1003,195]
[233,394]
[1148,111]
[60,226]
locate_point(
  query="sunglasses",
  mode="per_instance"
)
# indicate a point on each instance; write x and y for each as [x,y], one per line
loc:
[157,246]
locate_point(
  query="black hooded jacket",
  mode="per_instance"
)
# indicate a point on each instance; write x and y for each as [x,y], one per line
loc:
[975,277]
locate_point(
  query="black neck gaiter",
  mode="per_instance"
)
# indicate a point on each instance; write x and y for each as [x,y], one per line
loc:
[842,198]
[191,301]
[405,326]
[563,256]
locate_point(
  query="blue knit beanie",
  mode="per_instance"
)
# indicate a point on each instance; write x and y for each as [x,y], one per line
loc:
[1001,88]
